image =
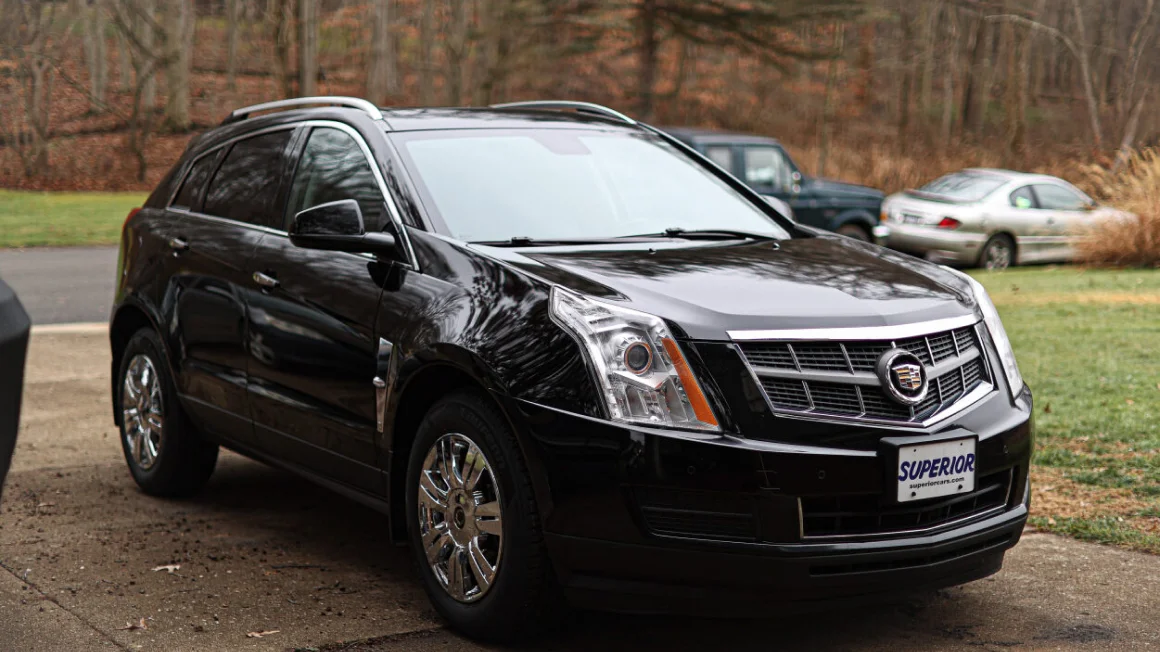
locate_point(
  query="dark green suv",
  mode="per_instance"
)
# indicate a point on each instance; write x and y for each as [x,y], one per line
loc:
[764,164]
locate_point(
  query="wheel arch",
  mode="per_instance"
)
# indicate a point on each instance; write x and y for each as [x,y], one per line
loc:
[858,217]
[1004,233]
[418,391]
[127,320]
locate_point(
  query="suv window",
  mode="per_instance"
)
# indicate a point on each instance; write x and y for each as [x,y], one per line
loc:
[766,166]
[245,187]
[1058,198]
[721,155]
[1023,198]
[194,182]
[333,167]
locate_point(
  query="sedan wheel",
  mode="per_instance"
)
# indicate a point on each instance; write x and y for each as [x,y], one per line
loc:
[460,517]
[998,254]
[142,412]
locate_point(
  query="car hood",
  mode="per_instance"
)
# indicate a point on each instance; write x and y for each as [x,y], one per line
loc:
[840,188]
[707,289]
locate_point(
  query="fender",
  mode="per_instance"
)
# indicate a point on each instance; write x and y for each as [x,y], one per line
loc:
[132,303]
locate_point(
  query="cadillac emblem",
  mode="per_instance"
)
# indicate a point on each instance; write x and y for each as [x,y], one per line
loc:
[903,376]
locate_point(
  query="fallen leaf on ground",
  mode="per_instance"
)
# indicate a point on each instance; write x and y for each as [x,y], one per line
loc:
[262,633]
[169,568]
[133,626]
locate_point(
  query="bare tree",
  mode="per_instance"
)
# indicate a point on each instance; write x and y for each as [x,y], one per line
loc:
[26,27]
[382,74]
[308,47]
[96,55]
[426,50]
[233,17]
[178,45]
[135,20]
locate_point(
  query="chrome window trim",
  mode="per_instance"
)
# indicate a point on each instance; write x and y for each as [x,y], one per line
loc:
[901,331]
[392,209]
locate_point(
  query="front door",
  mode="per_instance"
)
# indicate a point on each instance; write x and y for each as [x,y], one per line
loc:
[312,325]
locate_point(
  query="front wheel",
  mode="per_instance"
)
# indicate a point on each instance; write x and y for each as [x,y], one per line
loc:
[473,523]
[854,231]
[998,254]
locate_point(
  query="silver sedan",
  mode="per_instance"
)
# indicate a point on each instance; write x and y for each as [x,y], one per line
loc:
[990,218]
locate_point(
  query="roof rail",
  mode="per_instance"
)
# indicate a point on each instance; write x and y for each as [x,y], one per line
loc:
[295,102]
[582,107]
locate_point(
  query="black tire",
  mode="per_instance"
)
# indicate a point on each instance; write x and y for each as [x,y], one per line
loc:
[184,460]
[523,599]
[854,231]
[998,254]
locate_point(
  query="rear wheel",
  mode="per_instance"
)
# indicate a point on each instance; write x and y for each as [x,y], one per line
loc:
[473,523]
[165,454]
[854,231]
[998,253]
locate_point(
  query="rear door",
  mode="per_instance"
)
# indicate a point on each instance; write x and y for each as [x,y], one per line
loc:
[1020,215]
[312,325]
[220,231]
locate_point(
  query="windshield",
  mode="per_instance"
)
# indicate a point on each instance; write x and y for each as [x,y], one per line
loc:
[963,186]
[494,185]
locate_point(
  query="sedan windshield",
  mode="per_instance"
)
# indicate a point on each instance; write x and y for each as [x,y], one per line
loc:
[560,185]
[965,187]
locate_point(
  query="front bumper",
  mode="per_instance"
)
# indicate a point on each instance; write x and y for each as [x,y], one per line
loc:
[602,483]
[936,245]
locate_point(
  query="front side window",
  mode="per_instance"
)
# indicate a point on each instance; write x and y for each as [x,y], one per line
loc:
[245,187]
[194,181]
[494,185]
[1058,198]
[1023,198]
[721,155]
[332,168]
[767,167]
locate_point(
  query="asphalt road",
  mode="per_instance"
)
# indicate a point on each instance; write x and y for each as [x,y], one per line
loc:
[62,285]
[86,561]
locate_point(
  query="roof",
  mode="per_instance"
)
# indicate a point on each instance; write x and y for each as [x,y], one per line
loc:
[1013,175]
[707,136]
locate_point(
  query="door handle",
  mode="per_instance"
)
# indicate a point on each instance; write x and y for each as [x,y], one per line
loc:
[178,245]
[265,280]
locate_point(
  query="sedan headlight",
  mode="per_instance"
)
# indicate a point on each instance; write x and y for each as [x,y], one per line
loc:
[643,375]
[998,334]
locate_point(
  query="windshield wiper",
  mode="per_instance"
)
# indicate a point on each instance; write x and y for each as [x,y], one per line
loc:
[524,241]
[707,234]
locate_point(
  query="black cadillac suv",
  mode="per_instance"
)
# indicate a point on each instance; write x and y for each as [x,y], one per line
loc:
[570,359]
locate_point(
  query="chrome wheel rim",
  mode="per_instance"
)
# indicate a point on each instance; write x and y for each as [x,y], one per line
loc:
[460,517]
[142,412]
[998,256]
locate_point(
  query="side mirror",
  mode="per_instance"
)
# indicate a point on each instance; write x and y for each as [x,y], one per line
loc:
[338,226]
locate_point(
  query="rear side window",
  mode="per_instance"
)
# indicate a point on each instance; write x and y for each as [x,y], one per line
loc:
[245,187]
[194,181]
[1023,198]
[333,167]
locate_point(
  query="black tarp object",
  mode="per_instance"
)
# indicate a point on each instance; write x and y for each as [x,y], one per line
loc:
[14,328]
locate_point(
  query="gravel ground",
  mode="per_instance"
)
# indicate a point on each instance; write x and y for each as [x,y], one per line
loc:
[261,551]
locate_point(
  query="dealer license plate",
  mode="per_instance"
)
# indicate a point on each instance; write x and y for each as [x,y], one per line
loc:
[943,468]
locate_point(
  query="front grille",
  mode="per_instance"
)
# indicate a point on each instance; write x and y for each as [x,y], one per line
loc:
[860,515]
[839,378]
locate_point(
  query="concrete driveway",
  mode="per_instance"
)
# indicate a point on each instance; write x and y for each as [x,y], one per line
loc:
[264,561]
[62,285]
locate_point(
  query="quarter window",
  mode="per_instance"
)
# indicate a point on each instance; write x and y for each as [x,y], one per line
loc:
[1023,198]
[1058,198]
[194,182]
[722,156]
[767,167]
[333,167]
[245,187]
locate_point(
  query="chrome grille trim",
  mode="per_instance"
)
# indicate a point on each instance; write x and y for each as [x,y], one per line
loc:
[820,378]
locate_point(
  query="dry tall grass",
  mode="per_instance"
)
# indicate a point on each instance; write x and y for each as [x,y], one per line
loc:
[1129,242]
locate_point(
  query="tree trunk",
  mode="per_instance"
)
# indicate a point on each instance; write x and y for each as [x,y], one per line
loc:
[96,55]
[179,50]
[928,21]
[1129,139]
[1086,74]
[146,37]
[973,79]
[308,48]
[951,58]
[1014,99]
[647,71]
[280,13]
[827,125]
[457,52]
[124,64]
[233,17]
[426,54]
[377,74]
[906,81]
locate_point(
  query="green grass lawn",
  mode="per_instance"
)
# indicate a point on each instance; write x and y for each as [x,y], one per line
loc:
[1088,344]
[35,219]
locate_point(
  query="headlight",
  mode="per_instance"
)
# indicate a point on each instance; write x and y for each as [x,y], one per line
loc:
[643,375]
[998,334]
